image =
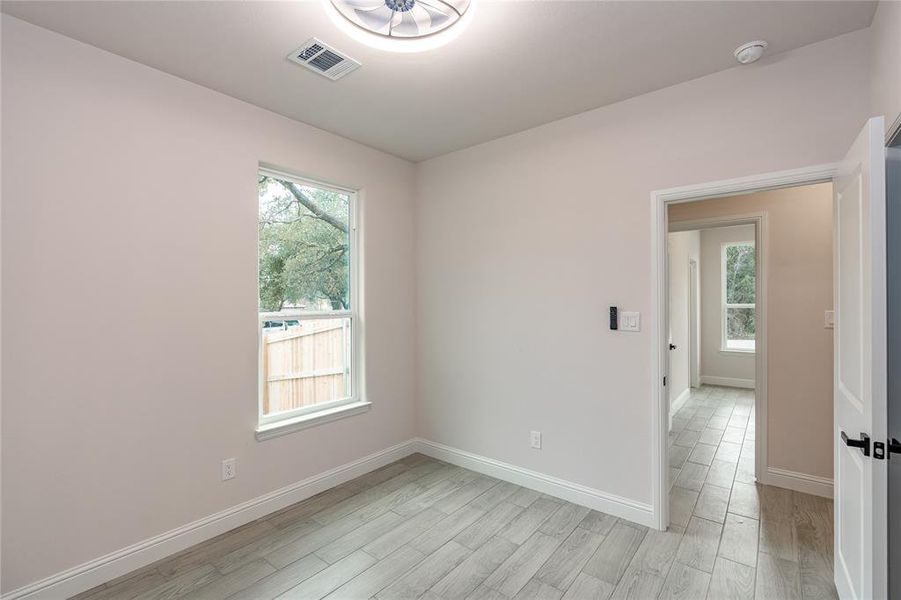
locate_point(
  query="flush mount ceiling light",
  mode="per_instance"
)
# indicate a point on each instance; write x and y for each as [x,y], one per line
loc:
[401,25]
[750,52]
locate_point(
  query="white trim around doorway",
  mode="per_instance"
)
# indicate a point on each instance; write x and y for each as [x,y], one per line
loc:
[660,200]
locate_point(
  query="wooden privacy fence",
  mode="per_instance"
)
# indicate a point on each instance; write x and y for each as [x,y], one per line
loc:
[305,365]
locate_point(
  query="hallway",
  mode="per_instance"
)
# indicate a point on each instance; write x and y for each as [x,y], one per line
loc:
[754,541]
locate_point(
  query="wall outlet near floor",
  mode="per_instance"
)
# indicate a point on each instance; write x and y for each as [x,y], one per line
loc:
[229,469]
[535,439]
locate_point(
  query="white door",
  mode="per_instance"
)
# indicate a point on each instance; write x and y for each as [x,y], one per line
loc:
[860,368]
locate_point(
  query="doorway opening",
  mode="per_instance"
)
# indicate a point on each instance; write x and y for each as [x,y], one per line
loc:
[717,316]
[713,321]
[746,383]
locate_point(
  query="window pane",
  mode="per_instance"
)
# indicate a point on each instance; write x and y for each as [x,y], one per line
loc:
[304,247]
[740,324]
[741,268]
[305,363]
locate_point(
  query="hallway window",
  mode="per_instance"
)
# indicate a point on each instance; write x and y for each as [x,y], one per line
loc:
[307,298]
[739,289]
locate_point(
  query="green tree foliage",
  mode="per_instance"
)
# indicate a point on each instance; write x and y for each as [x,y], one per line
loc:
[741,280]
[304,243]
[741,274]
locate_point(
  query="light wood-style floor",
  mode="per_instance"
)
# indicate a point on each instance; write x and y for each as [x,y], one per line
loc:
[420,528]
[740,539]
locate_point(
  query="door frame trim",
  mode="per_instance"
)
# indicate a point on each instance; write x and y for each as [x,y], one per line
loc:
[660,200]
[694,322]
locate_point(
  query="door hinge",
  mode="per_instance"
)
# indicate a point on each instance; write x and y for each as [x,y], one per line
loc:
[878,450]
[664,381]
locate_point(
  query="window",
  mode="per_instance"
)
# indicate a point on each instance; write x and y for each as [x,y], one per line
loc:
[308,303]
[739,285]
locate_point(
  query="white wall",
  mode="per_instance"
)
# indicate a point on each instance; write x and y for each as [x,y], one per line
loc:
[714,361]
[556,221]
[886,61]
[129,301]
[684,246]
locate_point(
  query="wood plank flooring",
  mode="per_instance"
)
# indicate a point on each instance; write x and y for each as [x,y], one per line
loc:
[421,528]
[742,540]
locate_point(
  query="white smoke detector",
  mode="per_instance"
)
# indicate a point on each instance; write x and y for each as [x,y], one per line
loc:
[750,52]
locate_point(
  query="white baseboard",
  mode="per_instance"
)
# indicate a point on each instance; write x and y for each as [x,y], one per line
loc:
[637,512]
[91,574]
[680,400]
[799,482]
[727,381]
[106,568]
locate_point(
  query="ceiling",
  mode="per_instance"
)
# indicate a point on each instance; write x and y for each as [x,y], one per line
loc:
[519,63]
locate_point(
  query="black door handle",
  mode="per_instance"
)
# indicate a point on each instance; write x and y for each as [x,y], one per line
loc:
[672,346]
[863,443]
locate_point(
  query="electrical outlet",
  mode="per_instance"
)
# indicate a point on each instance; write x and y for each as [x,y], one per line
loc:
[229,469]
[536,440]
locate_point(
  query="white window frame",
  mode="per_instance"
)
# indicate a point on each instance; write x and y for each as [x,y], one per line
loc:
[724,342]
[274,425]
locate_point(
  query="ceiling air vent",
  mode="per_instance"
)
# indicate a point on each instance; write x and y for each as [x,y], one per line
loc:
[320,57]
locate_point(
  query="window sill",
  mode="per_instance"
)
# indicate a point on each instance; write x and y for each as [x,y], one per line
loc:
[736,351]
[271,430]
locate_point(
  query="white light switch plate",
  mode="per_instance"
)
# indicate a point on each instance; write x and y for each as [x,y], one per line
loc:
[829,322]
[629,321]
